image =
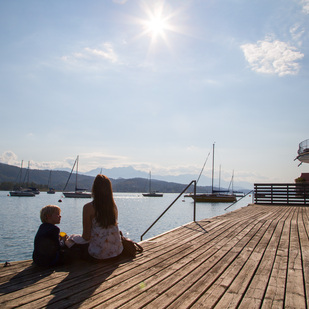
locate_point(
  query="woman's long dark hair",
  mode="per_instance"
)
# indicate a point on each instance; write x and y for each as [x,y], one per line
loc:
[103,201]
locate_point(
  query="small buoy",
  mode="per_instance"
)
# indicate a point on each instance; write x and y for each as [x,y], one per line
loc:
[59,201]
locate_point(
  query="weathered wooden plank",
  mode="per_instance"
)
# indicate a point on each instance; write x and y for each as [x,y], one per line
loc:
[303,225]
[275,292]
[295,293]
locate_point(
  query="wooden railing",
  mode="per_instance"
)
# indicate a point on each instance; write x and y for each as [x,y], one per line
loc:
[284,193]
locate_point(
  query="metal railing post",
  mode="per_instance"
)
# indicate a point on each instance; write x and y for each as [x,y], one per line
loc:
[194,207]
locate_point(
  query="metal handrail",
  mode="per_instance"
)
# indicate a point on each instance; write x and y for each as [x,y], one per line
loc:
[238,200]
[194,208]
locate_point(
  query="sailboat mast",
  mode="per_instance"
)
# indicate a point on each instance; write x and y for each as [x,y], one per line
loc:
[213,169]
[149,181]
[28,176]
[49,179]
[220,178]
[70,174]
[76,173]
[21,171]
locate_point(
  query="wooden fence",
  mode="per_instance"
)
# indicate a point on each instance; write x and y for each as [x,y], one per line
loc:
[283,193]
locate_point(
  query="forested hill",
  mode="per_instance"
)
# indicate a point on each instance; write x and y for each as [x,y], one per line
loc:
[10,176]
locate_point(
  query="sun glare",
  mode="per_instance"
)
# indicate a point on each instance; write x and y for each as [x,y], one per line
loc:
[156,26]
[157,22]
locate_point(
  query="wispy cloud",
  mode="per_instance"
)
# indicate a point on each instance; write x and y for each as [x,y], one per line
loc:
[273,57]
[120,1]
[107,52]
[104,52]
[305,5]
[297,32]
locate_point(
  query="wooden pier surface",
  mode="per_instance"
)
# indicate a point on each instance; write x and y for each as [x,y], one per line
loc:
[254,257]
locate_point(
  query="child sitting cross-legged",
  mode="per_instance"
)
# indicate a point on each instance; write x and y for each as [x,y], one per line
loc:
[47,248]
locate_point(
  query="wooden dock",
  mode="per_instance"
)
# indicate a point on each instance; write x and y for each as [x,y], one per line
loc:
[254,257]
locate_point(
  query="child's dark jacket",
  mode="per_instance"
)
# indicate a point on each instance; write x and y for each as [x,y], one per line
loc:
[46,245]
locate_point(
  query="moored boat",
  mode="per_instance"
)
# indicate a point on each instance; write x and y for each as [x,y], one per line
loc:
[50,189]
[214,197]
[78,193]
[152,193]
[21,192]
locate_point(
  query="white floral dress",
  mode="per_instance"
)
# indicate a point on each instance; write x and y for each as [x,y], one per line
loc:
[105,243]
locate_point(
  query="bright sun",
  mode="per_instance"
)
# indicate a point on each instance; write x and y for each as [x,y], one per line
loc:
[157,23]
[156,26]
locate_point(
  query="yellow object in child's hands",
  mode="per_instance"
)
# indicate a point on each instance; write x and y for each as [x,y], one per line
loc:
[62,237]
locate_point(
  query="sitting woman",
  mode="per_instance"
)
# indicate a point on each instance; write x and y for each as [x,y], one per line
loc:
[100,225]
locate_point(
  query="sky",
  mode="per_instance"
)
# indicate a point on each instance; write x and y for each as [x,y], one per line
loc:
[154,84]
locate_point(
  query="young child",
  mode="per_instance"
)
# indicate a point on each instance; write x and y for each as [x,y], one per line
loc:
[47,248]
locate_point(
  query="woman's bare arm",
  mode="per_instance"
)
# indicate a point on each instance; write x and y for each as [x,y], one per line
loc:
[88,214]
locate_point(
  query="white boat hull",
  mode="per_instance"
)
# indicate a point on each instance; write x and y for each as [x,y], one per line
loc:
[77,194]
[153,194]
[214,198]
[22,193]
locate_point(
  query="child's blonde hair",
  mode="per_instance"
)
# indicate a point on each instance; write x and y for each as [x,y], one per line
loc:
[48,211]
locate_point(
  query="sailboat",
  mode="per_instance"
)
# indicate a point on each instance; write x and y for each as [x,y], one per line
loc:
[27,177]
[21,191]
[214,196]
[78,193]
[50,189]
[150,192]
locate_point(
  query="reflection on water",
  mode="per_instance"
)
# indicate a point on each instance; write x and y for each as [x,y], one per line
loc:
[20,217]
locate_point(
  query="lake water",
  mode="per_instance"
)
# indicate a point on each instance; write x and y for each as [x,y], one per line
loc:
[20,217]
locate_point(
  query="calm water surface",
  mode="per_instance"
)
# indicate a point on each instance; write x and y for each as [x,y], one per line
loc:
[20,217]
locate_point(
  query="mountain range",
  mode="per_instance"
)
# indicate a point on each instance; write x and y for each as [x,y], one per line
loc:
[124,179]
[130,172]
